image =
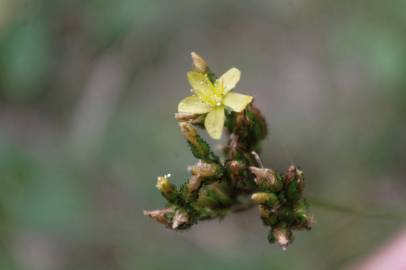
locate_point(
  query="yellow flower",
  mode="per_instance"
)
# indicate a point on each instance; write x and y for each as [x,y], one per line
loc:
[213,99]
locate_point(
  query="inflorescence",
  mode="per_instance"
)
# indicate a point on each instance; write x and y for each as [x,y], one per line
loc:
[216,187]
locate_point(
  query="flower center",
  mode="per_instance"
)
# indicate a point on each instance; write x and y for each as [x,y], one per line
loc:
[215,98]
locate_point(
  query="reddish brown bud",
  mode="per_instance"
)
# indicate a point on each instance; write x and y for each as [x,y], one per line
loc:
[189,132]
[236,167]
[160,215]
[295,174]
[199,63]
[300,179]
[205,169]
[179,219]
[283,236]
[194,183]
[291,173]
[267,178]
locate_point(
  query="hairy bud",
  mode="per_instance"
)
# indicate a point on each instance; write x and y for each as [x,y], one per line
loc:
[300,180]
[189,132]
[167,189]
[194,183]
[199,63]
[205,169]
[282,235]
[267,216]
[267,178]
[264,198]
[163,185]
[180,218]
[200,149]
[162,216]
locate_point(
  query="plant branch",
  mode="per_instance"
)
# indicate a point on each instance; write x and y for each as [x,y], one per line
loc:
[357,210]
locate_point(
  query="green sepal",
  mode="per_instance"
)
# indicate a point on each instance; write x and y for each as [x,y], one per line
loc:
[293,193]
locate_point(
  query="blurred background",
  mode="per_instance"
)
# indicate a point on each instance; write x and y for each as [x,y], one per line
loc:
[87,95]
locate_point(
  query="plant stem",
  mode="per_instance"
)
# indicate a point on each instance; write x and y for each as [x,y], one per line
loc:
[357,210]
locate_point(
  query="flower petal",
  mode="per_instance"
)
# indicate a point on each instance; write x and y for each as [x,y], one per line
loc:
[214,122]
[229,79]
[193,104]
[237,102]
[201,85]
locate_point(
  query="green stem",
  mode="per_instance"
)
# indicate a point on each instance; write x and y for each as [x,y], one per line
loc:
[356,210]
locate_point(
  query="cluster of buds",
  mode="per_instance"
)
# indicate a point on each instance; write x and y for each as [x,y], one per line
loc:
[216,186]
[281,203]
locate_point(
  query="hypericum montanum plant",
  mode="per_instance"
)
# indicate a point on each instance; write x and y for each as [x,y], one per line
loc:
[218,187]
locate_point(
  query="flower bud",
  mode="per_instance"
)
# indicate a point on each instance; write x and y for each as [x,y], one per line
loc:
[282,235]
[264,197]
[164,186]
[200,149]
[267,216]
[309,222]
[205,169]
[267,178]
[236,167]
[189,132]
[264,211]
[199,63]
[295,174]
[162,216]
[300,180]
[194,183]
[301,215]
[180,219]
[237,172]
[303,219]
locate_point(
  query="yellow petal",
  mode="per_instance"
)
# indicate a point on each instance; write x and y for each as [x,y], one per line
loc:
[193,104]
[229,79]
[201,85]
[214,122]
[237,102]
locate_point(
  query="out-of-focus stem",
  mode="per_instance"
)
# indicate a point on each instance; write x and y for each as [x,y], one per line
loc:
[358,211]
